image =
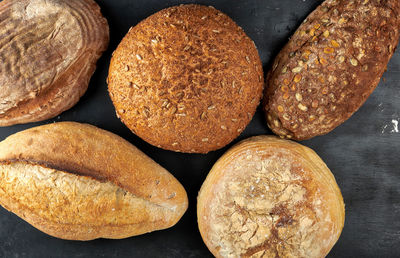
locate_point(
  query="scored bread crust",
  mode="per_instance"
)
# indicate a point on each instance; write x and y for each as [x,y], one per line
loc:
[268,197]
[50,49]
[186,79]
[330,66]
[79,154]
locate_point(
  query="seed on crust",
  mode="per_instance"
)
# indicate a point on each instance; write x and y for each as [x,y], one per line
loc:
[328,50]
[353,62]
[297,69]
[286,95]
[299,97]
[342,20]
[323,61]
[335,44]
[297,78]
[302,107]
[286,117]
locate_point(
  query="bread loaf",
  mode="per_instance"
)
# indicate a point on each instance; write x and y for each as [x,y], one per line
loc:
[330,66]
[186,79]
[268,197]
[75,181]
[48,50]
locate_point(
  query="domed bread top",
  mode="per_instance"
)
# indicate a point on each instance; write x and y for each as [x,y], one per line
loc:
[49,50]
[268,197]
[76,181]
[186,79]
[330,66]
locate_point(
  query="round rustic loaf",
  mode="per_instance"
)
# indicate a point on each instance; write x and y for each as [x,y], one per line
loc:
[268,197]
[330,66]
[186,79]
[48,50]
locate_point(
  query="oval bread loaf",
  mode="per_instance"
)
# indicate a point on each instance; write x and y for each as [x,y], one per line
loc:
[268,197]
[75,181]
[48,50]
[330,66]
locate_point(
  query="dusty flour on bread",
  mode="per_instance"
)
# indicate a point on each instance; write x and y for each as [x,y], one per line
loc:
[55,192]
[265,209]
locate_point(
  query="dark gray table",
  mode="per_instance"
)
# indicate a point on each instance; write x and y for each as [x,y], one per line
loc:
[363,153]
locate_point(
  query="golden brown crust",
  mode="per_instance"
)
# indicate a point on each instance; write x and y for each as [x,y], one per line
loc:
[186,79]
[83,158]
[330,66]
[50,50]
[268,197]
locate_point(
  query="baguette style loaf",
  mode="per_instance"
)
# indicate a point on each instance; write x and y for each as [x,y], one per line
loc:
[330,66]
[75,181]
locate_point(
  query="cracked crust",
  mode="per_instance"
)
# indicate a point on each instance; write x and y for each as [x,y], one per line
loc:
[268,197]
[186,79]
[330,66]
[75,181]
[49,51]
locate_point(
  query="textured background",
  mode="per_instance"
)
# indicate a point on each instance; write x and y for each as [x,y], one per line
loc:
[363,153]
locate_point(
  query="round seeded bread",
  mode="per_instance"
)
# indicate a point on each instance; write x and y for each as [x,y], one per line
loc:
[186,79]
[268,197]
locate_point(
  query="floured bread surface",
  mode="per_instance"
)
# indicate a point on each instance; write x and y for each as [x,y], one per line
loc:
[49,50]
[76,181]
[270,198]
[60,198]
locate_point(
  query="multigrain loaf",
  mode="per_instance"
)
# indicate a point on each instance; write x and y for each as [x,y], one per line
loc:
[330,66]
[268,197]
[75,181]
[48,50]
[186,79]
